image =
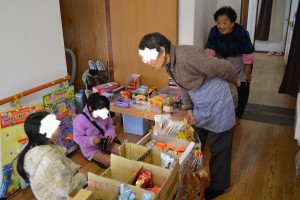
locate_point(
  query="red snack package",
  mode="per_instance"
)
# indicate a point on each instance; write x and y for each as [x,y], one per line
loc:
[144,179]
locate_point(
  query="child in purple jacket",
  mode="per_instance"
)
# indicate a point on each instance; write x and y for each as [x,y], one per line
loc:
[94,131]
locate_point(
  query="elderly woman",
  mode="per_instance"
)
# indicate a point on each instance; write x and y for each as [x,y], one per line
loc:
[231,41]
[208,89]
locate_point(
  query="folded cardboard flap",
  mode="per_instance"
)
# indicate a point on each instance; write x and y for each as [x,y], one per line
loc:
[122,169]
[84,194]
[131,152]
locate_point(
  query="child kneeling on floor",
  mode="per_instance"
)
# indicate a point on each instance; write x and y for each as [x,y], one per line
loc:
[43,164]
[94,131]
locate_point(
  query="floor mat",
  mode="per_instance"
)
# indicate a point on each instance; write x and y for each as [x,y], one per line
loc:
[270,114]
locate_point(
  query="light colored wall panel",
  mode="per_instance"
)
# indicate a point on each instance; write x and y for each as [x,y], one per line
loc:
[130,21]
[32,48]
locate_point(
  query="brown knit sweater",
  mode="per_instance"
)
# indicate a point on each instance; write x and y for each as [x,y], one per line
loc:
[191,67]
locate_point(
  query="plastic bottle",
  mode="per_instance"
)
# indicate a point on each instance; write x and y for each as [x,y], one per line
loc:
[80,101]
[168,105]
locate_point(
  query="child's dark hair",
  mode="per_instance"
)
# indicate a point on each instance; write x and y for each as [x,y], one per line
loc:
[228,11]
[97,101]
[155,40]
[35,138]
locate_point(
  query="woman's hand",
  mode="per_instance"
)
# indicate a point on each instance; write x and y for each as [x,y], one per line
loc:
[248,77]
[190,117]
[238,83]
[247,70]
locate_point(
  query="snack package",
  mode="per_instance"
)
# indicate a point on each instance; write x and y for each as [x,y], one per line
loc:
[144,179]
[155,104]
[122,102]
[167,161]
[161,122]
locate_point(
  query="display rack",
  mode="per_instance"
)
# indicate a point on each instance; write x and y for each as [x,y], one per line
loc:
[33,90]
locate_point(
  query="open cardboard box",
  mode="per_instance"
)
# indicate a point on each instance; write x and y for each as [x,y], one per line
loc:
[125,170]
[186,157]
[108,185]
[142,153]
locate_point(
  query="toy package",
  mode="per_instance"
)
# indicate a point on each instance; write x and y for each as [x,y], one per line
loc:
[103,88]
[155,104]
[134,81]
[62,104]
[122,102]
[6,171]
[12,137]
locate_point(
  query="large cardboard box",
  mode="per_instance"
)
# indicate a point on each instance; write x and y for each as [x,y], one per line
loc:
[125,170]
[187,156]
[100,183]
[152,158]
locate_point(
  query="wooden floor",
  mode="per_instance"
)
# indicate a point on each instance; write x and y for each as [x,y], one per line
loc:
[267,75]
[263,158]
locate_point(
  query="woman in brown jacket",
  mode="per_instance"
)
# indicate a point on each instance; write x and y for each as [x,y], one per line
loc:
[209,93]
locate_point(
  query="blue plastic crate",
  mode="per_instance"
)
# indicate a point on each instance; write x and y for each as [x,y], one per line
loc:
[135,125]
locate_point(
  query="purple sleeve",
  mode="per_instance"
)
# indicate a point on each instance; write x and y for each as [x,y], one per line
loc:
[110,128]
[79,132]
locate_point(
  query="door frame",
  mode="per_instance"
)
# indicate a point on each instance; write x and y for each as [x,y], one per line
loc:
[249,10]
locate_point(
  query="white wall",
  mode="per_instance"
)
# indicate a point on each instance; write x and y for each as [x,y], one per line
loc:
[32,47]
[196,19]
[204,21]
[235,4]
[186,13]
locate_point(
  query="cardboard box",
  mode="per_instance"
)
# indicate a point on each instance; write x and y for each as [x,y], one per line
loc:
[168,180]
[152,157]
[142,153]
[98,183]
[187,156]
[125,170]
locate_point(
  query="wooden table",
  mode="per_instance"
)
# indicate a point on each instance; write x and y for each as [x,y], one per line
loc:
[143,113]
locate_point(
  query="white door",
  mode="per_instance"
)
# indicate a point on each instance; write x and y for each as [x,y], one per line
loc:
[278,26]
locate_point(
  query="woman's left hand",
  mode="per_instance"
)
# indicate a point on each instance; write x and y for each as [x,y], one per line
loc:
[238,83]
[190,117]
[248,77]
